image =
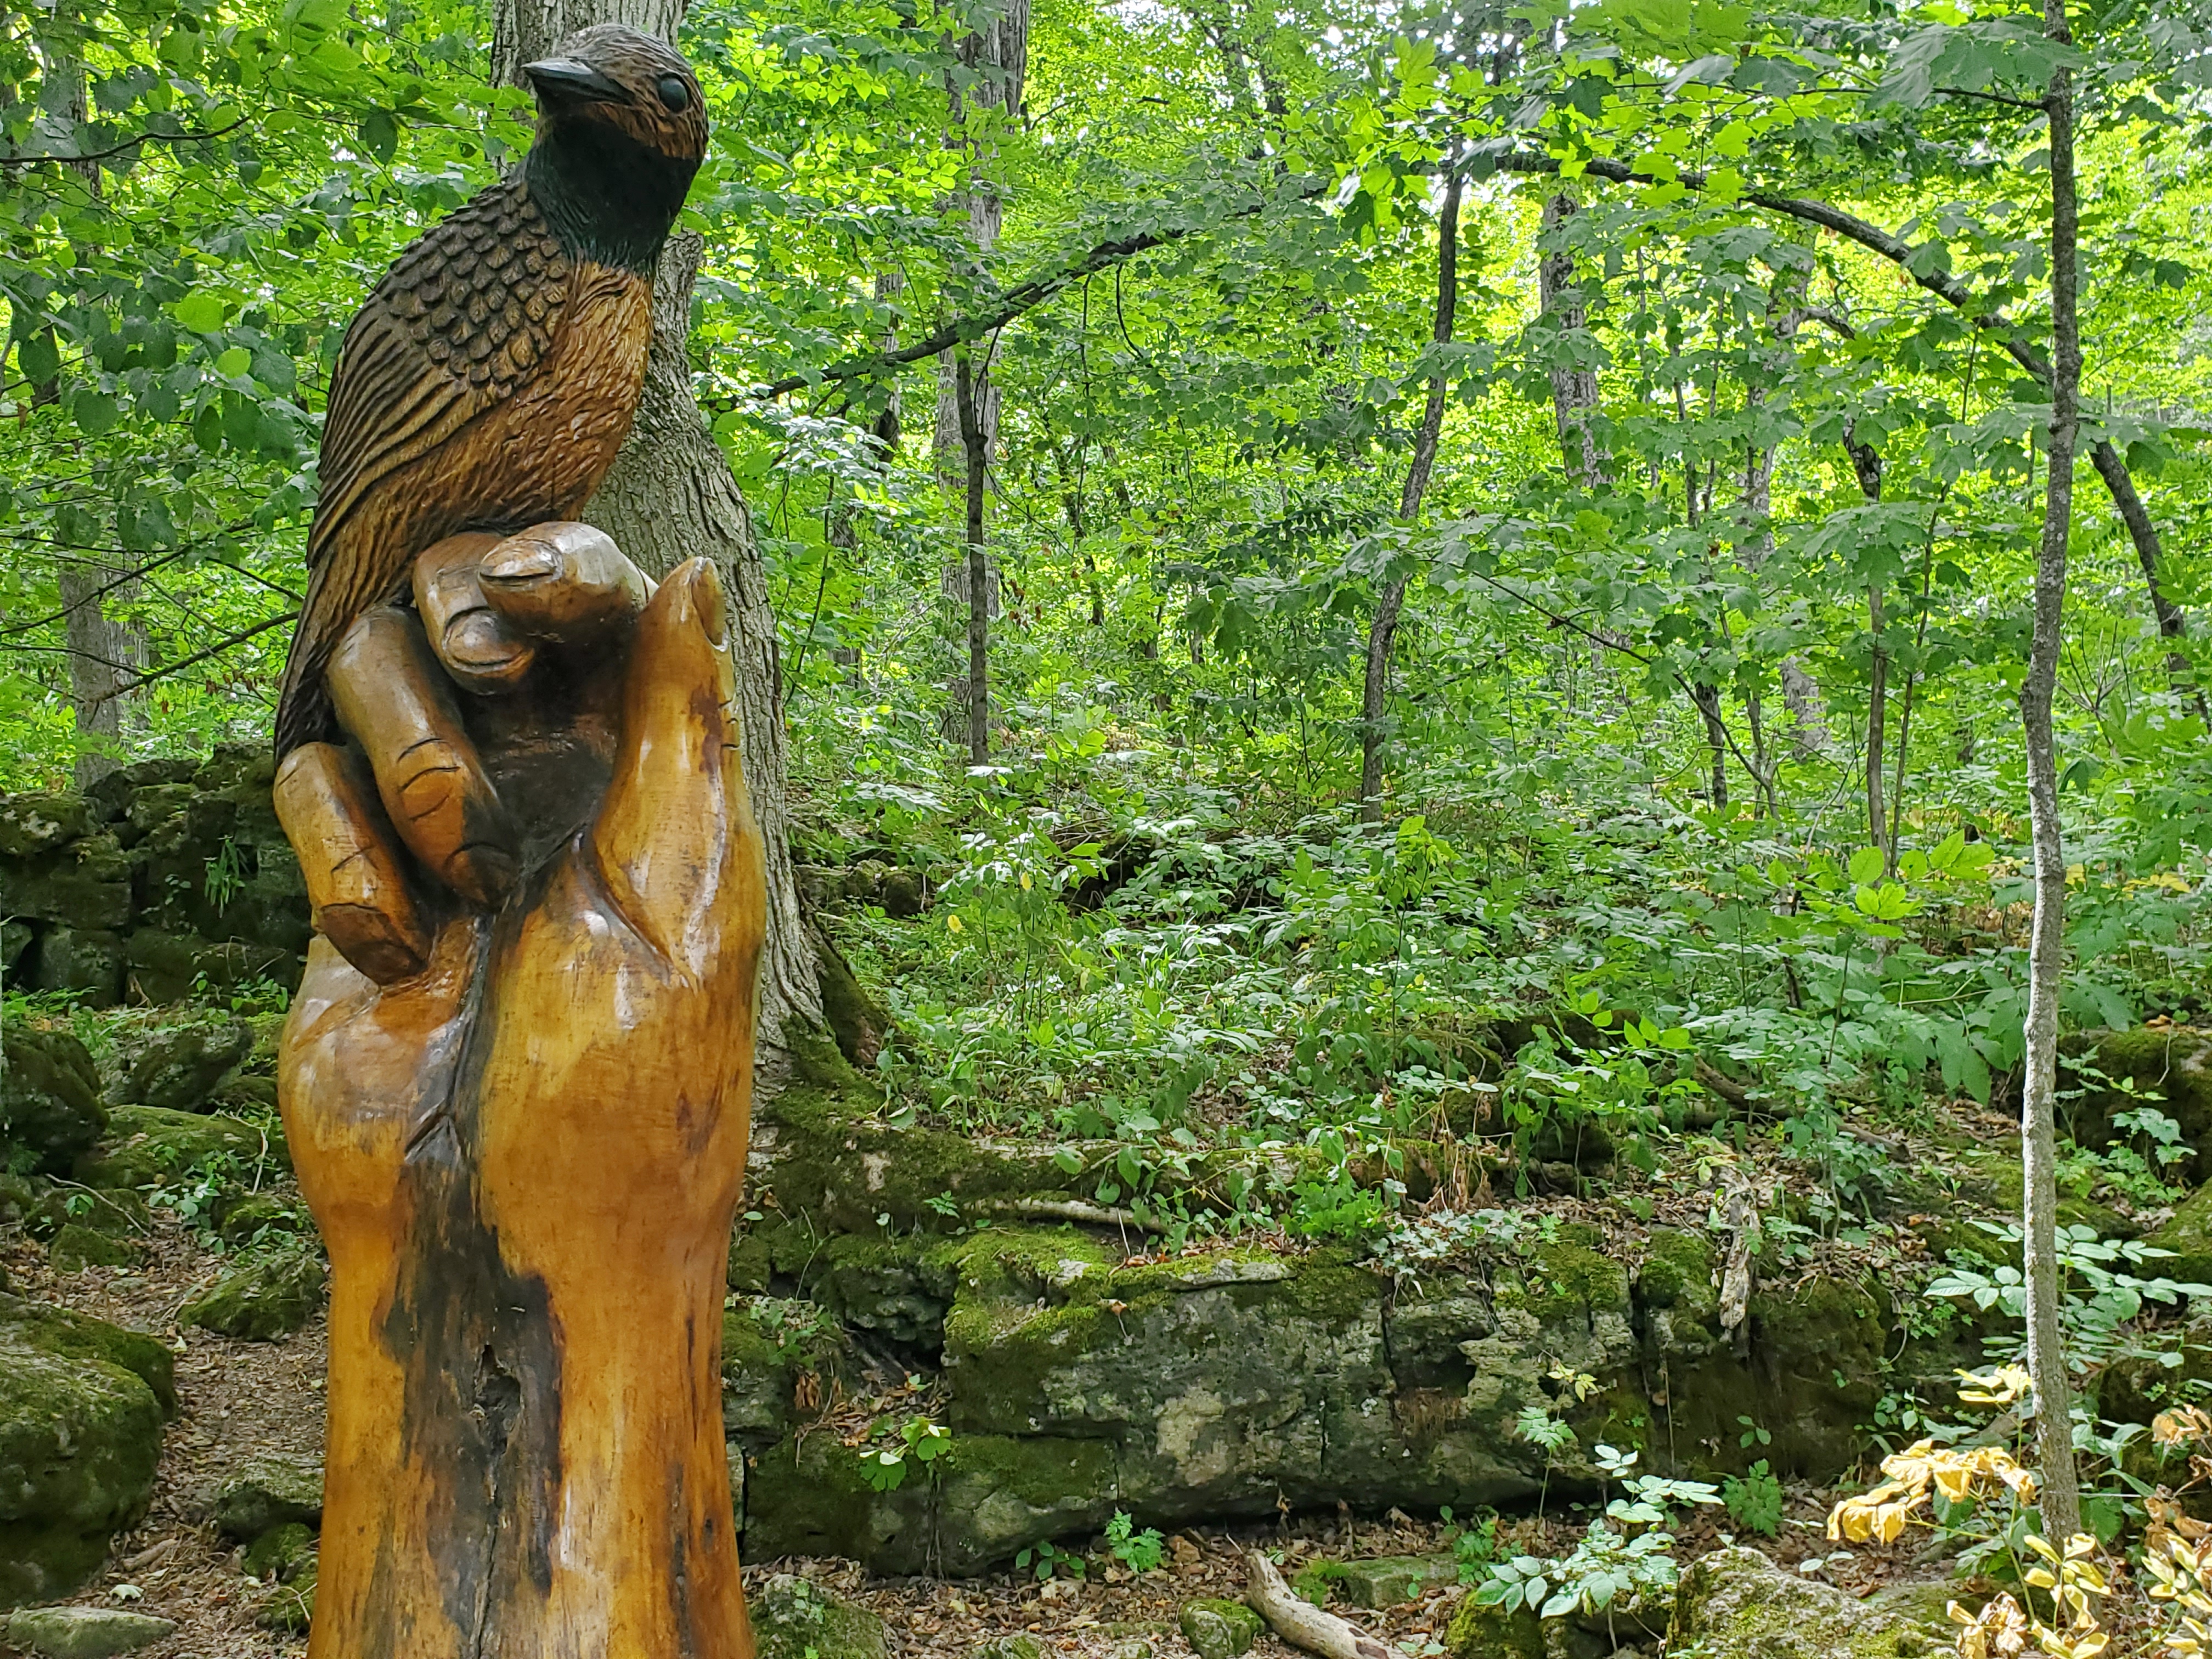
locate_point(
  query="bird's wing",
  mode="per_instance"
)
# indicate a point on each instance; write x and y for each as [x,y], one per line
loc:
[462,321]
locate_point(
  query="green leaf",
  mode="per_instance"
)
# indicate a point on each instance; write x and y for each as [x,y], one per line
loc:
[1866,864]
[38,357]
[236,361]
[93,411]
[380,134]
[199,311]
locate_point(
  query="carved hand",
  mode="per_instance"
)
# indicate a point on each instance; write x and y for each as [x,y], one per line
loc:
[516,1083]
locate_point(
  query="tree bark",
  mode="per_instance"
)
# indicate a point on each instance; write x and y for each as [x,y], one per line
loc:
[1574,388]
[672,496]
[974,445]
[1866,463]
[105,656]
[2046,1358]
[525,31]
[1383,631]
[999,54]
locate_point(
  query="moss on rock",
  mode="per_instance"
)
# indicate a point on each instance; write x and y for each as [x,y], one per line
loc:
[1219,1629]
[794,1618]
[263,1300]
[147,1146]
[1737,1604]
[268,1491]
[50,1109]
[79,1438]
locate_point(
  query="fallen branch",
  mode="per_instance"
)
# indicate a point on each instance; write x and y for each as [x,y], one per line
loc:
[1303,1625]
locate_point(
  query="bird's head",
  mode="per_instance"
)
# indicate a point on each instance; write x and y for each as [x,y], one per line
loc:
[615,77]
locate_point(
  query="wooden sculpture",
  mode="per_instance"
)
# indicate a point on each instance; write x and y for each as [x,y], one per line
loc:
[491,377]
[522,1129]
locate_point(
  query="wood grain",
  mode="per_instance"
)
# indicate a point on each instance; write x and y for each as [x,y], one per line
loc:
[525,1161]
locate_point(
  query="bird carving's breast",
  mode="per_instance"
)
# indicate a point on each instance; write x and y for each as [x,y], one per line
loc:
[555,439]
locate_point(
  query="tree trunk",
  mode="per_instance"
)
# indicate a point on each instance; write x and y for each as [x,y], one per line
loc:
[672,496]
[1866,462]
[999,52]
[974,445]
[524,31]
[1383,631]
[105,654]
[2046,1357]
[1574,388]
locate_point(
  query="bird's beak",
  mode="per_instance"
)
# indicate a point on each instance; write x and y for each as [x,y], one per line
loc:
[570,78]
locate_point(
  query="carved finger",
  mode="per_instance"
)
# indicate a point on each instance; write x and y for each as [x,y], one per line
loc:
[676,838]
[327,804]
[564,581]
[393,696]
[480,649]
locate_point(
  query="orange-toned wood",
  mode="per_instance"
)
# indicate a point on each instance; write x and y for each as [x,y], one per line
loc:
[524,1159]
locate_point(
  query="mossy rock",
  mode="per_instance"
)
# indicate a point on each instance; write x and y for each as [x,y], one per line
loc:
[763,1363]
[75,1248]
[793,1618]
[147,1147]
[80,1435]
[986,1497]
[291,1607]
[1681,1301]
[36,824]
[85,1632]
[1736,1604]
[50,1109]
[262,1300]
[116,1213]
[267,1492]
[1008,1647]
[2170,1065]
[88,961]
[178,1066]
[85,884]
[1392,1580]
[1481,1632]
[2188,1233]
[1218,1629]
[1812,1377]
[168,966]
[278,1553]
[72,1335]
[251,1216]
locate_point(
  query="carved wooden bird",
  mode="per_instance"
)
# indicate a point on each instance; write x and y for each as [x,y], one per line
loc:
[490,379]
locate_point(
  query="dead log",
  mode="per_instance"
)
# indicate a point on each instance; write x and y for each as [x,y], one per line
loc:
[1303,1625]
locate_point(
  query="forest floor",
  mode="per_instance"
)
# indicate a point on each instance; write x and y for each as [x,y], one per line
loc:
[239,1399]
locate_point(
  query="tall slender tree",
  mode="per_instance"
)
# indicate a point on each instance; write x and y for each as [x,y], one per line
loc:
[1383,630]
[2046,1358]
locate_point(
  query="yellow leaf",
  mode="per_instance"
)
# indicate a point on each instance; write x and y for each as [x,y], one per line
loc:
[953,922]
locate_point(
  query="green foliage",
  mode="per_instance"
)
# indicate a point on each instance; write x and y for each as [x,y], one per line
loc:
[2098,1302]
[1048,1560]
[1754,1500]
[1140,1552]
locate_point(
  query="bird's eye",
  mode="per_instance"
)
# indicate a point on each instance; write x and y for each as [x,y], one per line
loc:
[673,93]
